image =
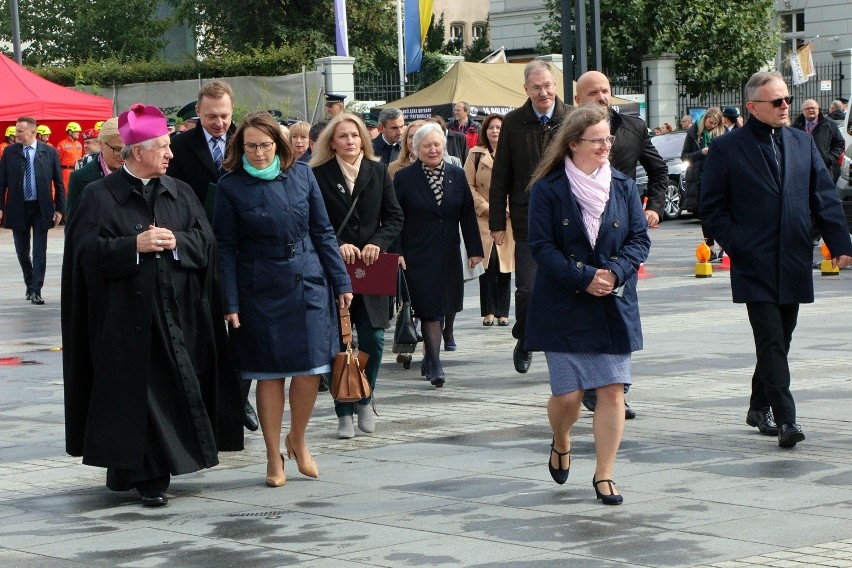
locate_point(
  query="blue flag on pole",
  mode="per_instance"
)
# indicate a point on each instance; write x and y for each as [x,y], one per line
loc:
[418,13]
[341,28]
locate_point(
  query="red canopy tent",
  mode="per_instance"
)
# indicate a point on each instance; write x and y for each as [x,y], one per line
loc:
[23,93]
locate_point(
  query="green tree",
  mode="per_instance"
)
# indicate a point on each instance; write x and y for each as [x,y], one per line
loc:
[307,25]
[480,47]
[73,32]
[719,43]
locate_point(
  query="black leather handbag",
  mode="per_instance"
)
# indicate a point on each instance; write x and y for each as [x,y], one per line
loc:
[405,333]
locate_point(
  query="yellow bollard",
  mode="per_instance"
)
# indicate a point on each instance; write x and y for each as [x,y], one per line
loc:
[825,266]
[703,269]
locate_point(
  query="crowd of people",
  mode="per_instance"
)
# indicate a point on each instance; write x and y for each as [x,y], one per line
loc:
[254,224]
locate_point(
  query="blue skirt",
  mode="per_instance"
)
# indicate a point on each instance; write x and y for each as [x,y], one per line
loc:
[570,372]
[266,375]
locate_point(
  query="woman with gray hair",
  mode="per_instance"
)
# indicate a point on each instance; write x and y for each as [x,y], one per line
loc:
[104,163]
[435,201]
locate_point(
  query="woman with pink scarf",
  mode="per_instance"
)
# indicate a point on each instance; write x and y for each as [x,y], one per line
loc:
[588,235]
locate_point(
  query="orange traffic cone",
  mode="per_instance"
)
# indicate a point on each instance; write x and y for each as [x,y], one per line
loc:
[726,262]
[642,274]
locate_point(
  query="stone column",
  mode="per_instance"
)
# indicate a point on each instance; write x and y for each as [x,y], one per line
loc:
[338,75]
[661,94]
[845,57]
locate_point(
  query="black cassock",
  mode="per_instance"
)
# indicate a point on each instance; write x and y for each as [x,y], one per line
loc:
[149,387]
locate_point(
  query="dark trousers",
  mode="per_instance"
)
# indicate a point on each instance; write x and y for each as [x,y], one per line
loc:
[33,267]
[525,269]
[370,340]
[772,325]
[495,288]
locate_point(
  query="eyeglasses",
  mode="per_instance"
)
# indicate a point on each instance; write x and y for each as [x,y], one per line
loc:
[115,149]
[547,87]
[600,141]
[776,102]
[263,146]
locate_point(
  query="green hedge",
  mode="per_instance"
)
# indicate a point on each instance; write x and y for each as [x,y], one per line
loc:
[269,62]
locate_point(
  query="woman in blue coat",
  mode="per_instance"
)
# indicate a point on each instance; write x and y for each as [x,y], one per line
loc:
[280,267]
[588,235]
[435,201]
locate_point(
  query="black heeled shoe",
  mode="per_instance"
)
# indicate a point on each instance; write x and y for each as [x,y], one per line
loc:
[612,498]
[559,475]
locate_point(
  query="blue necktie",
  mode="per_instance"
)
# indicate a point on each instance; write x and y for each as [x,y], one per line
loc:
[29,190]
[543,118]
[217,155]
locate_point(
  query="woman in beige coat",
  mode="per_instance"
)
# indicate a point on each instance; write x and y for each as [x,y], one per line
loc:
[499,261]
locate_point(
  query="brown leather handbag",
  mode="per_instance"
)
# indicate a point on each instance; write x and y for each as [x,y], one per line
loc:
[348,381]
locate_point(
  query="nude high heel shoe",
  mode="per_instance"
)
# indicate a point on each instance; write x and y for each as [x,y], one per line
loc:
[310,468]
[277,480]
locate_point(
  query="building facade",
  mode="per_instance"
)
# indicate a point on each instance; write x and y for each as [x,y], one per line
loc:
[462,20]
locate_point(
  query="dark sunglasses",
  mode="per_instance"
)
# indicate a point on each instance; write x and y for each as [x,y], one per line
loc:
[777,102]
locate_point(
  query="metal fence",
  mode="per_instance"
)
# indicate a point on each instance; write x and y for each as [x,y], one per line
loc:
[383,85]
[626,85]
[824,87]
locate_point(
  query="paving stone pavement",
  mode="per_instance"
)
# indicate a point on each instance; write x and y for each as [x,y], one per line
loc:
[457,476]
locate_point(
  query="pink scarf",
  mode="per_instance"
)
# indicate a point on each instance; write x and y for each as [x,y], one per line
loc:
[591,193]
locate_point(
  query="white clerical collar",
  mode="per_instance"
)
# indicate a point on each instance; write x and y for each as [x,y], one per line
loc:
[143,180]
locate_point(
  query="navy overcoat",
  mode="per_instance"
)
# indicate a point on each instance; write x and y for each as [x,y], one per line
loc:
[281,270]
[430,238]
[561,315]
[764,228]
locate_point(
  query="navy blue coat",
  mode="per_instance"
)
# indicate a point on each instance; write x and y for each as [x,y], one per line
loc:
[766,229]
[561,316]
[280,264]
[47,171]
[430,238]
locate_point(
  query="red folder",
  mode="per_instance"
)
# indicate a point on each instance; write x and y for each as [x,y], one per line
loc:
[378,279]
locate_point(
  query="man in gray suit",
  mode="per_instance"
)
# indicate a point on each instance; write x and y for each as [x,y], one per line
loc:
[28,204]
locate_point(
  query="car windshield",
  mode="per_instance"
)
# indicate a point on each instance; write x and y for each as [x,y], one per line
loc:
[669,145]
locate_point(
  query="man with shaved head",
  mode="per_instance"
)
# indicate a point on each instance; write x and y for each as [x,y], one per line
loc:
[632,145]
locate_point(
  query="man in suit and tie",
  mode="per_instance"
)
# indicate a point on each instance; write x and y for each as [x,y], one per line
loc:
[28,204]
[386,144]
[762,187]
[199,153]
[197,161]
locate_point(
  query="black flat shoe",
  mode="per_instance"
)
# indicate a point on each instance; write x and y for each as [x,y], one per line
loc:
[37,299]
[249,417]
[502,322]
[437,382]
[488,322]
[762,420]
[154,499]
[790,434]
[612,498]
[559,475]
[629,413]
[450,345]
[521,358]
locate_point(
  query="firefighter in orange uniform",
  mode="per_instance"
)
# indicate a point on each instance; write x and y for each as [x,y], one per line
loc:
[70,150]
[8,140]
[43,133]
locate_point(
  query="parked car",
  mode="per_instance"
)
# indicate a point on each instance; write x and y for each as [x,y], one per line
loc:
[669,146]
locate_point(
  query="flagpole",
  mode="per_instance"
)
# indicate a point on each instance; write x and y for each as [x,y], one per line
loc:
[399,48]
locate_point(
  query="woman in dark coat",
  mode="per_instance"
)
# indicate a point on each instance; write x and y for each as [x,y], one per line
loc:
[588,235]
[435,200]
[346,170]
[280,265]
[696,144]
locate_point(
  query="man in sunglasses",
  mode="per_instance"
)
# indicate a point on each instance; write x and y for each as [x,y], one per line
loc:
[761,187]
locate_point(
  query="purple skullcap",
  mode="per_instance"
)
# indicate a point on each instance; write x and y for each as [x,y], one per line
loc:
[140,123]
